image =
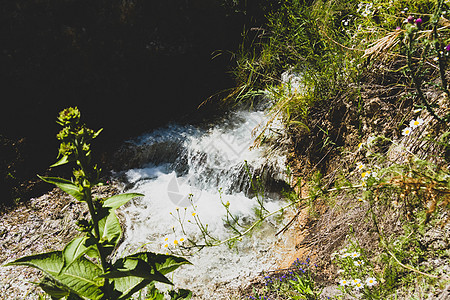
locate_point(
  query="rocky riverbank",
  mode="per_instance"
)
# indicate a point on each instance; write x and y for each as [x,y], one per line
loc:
[42,224]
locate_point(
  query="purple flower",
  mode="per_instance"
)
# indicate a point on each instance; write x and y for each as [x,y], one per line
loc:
[447,48]
[398,28]
[418,21]
[410,19]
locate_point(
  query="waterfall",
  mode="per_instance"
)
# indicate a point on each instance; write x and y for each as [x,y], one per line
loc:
[190,173]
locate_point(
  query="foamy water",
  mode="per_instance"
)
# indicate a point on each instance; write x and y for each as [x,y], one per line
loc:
[211,169]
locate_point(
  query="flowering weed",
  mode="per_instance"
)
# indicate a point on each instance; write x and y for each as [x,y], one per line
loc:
[356,273]
[296,282]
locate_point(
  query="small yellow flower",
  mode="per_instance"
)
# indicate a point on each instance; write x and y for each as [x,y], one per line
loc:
[166,239]
[181,240]
[360,166]
[365,174]
[166,245]
[193,214]
[175,242]
[360,145]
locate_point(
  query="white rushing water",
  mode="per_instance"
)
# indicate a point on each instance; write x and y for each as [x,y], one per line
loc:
[189,176]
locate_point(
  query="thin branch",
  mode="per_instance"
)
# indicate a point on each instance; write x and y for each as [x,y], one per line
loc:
[409,267]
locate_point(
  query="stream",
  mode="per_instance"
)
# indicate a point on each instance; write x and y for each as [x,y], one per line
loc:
[190,175]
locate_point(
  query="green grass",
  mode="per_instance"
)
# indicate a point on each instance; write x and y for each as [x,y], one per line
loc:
[334,48]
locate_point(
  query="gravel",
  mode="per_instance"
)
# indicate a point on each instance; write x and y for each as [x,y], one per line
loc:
[42,224]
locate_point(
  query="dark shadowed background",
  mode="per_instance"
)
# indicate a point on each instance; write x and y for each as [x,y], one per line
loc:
[129,66]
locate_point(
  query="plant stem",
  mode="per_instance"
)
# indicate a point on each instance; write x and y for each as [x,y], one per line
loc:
[438,46]
[101,252]
[87,190]
[416,80]
[409,267]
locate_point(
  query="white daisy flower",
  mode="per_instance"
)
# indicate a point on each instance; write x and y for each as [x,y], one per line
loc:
[356,281]
[358,263]
[371,281]
[365,175]
[360,166]
[406,131]
[359,286]
[416,123]
[355,254]
[344,282]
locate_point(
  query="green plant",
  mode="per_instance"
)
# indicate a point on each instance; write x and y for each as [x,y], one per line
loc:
[154,294]
[84,269]
[422,44]
[296,283]
[417,189]
[357,273]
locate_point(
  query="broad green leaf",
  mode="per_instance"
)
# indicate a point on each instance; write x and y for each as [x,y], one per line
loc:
[93,252]
[80,277]
[66,185]
[164,263]
[62,161]
[73,296]
[53,289]
[110,230]
[125,267]
[117,201]
[75,249]
[180,294]
[129,285]
[153,293]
